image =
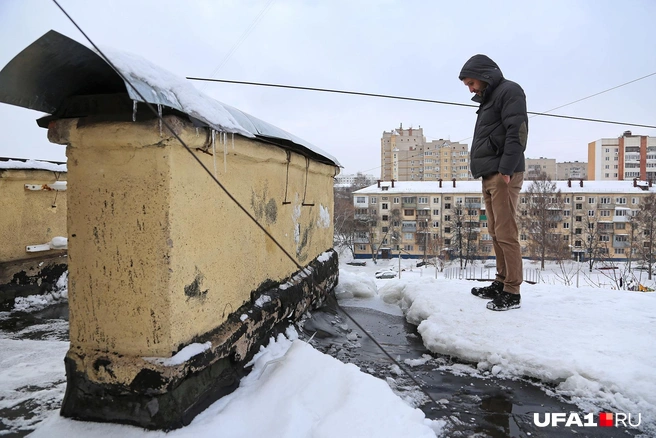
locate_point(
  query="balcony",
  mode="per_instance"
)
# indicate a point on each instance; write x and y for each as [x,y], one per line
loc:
[620,244]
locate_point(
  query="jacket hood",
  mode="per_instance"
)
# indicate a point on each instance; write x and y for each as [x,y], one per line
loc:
[482,68]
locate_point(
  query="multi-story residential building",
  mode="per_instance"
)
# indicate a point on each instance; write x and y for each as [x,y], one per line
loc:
[412,217]
[623,158]
[405,155]
[571,170]
[350,179]
[538,166]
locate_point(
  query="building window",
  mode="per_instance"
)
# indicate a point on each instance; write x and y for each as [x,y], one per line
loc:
[385,218]
[447,229]
[408,247]
[436,200]
[373,200]
[361,200]
[591,213]
[591,200]
[423,200]
[384,206]
[408,212]
[396,200]
[566,225]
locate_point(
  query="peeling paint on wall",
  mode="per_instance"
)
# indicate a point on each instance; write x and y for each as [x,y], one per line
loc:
[263,208]
[193,290]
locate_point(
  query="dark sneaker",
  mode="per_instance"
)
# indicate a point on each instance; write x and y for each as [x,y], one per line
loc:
[488,292]
[505,301]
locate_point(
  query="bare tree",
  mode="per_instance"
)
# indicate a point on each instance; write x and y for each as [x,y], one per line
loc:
[464,233]
[345,226]
[592,241]
[541,217]
[646,222]
[375,231]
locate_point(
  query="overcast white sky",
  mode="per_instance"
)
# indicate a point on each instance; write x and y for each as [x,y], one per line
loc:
[559,51]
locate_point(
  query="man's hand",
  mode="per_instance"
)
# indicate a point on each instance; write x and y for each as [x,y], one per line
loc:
[506,178]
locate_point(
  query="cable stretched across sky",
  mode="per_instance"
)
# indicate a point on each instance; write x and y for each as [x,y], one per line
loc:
[416,99]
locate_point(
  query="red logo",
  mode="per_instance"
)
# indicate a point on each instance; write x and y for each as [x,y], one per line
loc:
[606,419]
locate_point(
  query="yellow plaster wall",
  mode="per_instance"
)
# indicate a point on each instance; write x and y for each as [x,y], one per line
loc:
[158,253]
[222,255]
[29,217]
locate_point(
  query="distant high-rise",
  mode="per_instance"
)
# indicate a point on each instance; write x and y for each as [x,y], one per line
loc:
[623,158]
[405,155]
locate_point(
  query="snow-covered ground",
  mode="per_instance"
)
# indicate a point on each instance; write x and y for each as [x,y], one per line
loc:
[593,346]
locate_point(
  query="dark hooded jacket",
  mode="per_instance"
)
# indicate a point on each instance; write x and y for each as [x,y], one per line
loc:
[501,128]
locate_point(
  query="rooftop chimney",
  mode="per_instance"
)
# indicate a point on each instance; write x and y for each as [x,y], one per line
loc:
[454,182]
[581,182]
[569,182]
[635,182]
[649,182]
[392,183]
[626,134]
[440,181]
[378,183]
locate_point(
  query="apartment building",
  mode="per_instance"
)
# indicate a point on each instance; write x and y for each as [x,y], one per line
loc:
[349,179]
[538,166]
[405,155]
[417,218]
[623,158]
[571,170]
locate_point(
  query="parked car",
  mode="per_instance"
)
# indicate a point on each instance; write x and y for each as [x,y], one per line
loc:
[386,274]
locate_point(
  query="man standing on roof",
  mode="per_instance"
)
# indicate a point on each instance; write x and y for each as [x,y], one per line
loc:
[497,155]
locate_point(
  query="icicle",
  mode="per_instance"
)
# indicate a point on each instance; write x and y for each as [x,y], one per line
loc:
[159,113]
[196,132]
[214,149]
[134,110]
[225,152]
[213,133]
[233,139]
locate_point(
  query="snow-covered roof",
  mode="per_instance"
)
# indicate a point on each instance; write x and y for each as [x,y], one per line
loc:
[55,68]
[18,163]
[424,187]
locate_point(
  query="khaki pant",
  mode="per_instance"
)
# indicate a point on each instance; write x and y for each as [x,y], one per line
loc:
[501,210]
